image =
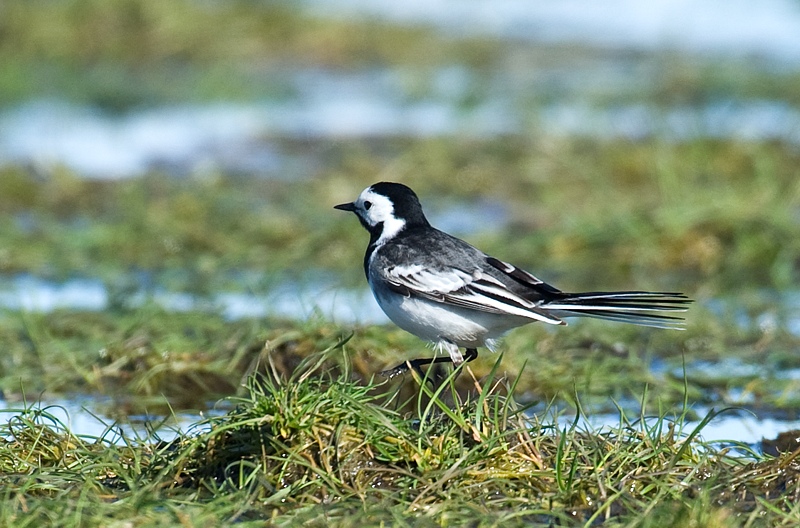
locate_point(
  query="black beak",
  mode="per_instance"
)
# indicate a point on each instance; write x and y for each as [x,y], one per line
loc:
[346,207]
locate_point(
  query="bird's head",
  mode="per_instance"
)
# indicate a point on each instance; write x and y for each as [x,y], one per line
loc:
[386,208]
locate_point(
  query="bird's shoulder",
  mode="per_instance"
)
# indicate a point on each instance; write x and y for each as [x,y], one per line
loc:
[429,247]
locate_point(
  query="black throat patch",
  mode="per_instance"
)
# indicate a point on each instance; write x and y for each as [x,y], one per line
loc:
[375,233]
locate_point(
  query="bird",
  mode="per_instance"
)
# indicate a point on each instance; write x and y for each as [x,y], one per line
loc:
[450,293]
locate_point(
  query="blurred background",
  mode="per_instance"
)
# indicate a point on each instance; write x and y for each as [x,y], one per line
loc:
[168,171]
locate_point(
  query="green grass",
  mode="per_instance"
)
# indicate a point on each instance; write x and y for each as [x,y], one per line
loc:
[704,216]
[120,54]
[325,449]
[315,438]
[716,220]
[149,359]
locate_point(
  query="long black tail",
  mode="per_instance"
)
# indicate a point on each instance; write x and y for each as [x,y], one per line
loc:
[643,308]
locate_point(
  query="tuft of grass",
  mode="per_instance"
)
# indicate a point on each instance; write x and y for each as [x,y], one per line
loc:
[324,449]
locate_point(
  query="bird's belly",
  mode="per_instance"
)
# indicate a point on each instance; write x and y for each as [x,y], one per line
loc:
[434,321]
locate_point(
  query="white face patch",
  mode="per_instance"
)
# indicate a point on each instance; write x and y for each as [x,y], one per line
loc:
[375,208]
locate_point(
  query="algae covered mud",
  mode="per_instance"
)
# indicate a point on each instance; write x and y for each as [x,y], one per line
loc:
[168,254]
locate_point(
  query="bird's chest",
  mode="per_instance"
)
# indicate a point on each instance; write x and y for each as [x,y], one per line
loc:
[430,320]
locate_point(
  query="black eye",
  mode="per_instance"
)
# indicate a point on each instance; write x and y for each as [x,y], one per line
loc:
[367,205]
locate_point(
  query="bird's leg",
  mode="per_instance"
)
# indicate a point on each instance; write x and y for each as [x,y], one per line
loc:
[469,355]
[417,364]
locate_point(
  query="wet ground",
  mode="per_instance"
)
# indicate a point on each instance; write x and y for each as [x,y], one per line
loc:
[84,415]
[668,71]
[746,419]
[251,139]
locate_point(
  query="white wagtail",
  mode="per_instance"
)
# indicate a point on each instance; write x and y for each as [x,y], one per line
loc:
[446,291]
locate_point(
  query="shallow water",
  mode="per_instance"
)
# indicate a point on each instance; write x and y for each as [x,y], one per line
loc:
[766,29]
[302,299]
[751,120]
[242,138]
[230,137]
[730,427]
[292,300]
[83,415]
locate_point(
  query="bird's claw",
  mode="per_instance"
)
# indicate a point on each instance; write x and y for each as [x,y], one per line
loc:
[394,372]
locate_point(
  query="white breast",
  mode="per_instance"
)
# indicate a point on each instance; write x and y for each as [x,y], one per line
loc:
[435,321]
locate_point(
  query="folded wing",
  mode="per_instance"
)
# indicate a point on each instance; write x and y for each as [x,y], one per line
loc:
[476,291]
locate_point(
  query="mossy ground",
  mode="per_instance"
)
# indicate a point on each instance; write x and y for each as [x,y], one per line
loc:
[704,215]
[148,358]
[321,448]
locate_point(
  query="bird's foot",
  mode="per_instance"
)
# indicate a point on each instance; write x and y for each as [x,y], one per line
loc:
[412,364]
[394,371]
